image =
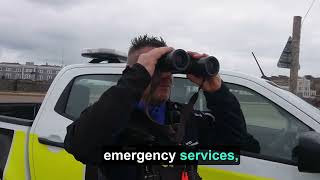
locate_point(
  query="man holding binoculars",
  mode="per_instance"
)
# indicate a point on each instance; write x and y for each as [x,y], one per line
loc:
[137,111]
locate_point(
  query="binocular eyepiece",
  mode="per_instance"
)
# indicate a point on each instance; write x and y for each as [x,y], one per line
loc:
[180,62]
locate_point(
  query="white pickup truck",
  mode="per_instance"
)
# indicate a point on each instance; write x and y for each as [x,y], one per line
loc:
[33,149]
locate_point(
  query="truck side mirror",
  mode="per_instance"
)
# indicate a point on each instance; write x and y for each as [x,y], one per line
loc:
[308,152]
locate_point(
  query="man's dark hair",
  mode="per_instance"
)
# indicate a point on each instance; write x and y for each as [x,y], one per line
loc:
[146,41]
[141,42]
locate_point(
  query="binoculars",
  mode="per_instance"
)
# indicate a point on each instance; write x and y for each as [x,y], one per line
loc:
[180,62]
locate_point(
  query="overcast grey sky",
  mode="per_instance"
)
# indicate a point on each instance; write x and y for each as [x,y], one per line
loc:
[52,30]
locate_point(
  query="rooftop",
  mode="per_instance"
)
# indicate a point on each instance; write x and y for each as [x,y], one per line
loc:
[29,64]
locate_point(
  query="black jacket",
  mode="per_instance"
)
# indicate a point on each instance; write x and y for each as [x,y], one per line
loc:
[109,121]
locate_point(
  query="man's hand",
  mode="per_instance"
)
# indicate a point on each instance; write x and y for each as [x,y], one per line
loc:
[210,85]
[150,59]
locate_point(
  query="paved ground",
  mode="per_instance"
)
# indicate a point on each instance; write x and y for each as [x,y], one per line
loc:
[12,97]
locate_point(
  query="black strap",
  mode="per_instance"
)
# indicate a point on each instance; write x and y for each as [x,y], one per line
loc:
[185,115]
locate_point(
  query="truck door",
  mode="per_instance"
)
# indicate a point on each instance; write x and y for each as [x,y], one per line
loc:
[13,148]
[63,106]
[272,121]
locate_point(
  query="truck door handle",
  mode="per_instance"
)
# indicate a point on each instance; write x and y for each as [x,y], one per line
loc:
[50,143]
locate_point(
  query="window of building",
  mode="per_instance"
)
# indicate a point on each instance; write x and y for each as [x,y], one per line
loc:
[49,71]
[28,70]
[40,77]
[40,71]
[8,75]
[8,69]
[49,77]
[0,68]
[18,76]
[27,76]
[18,69]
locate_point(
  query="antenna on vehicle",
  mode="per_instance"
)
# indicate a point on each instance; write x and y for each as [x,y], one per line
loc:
[263,76]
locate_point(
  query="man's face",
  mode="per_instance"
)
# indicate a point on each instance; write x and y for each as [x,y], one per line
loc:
[161,90]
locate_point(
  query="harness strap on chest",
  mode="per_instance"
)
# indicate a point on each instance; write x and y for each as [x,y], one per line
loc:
[185,116]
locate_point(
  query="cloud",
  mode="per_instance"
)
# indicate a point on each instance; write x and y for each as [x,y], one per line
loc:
[45,30]
[57,3]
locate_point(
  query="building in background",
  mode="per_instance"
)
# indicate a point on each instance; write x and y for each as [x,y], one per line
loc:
[315,83]
[28,71]
[304,88]
[281,81]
